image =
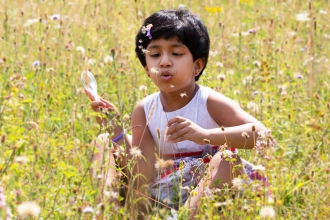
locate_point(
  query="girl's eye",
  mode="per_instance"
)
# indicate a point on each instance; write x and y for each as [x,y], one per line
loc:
[177,54]
[154,55]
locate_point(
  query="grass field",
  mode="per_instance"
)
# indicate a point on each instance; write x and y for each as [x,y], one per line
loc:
[272,57]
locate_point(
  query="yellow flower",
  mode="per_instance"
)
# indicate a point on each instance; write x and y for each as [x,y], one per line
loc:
[213,9]
[247,2]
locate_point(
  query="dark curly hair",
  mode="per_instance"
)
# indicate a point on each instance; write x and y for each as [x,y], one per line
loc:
[176,23]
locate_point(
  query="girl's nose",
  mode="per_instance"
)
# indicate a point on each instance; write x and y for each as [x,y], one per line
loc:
[165,61]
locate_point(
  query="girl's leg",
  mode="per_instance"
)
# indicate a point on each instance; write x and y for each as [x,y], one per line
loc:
[104,165]
[220,172]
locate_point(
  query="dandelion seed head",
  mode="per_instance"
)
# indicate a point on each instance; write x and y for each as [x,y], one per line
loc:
[135,152]
[238,183]
[221,77]
[88,210]
[22,160]
[258,168]
[302,17]
[267,212]
[80,49]
[219,64]
[108,59]
[143,88]
[28,209]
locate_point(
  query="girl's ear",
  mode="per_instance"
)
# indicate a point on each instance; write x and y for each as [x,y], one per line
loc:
[147,70]
[199,65]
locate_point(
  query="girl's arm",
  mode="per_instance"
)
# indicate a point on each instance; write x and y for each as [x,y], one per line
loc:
[227,113]
[142,139]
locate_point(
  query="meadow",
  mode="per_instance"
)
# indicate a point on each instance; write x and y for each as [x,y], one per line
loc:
[272,57]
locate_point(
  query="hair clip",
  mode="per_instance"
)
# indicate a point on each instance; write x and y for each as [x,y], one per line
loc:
[148,28]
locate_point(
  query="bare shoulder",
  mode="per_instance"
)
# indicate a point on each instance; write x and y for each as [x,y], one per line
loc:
[227,112]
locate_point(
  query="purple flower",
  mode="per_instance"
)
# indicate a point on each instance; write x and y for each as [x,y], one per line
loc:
[148,29]
[252,31]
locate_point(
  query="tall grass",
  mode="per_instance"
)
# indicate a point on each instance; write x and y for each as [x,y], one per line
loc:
[270,56]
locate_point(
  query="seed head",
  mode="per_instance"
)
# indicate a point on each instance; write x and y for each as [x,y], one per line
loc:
[135,152]
[267,212]
[3,138]
[245,135]
[253,128]
[28,209]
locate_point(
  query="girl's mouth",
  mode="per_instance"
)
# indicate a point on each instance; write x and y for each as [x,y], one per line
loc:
[166,75]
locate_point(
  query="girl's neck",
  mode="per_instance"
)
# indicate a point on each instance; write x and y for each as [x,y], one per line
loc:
[172,101]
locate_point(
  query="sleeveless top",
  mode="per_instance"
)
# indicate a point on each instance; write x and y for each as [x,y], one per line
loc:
[195,110]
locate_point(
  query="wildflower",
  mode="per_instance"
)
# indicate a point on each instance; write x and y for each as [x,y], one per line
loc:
[252,31]
[87,210]
[267,212]
[181,6]
[219,204]
[194,193]
[143,88]
[34,125]
[245,135]
[162,164]
[30,22]
[174,215]
[253,107]
[55,17]
[323,12]
[230,72]
[185,188]
[183,95]
[213,53]
[28,209]
[237,183]
[208,192]
[91,61]
[108,59]
[257,63]
[255,92]
[36,64]
[213,9]
[236,92]
[298,76]
[111,195]
[221,77]
[135,152]
[119,151]
[219,64]
[247,80]
[258,168]
[302,17]
[22,160]
[80,49]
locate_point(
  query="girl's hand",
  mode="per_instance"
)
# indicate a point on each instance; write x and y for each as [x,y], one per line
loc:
[103,105]
[181,129]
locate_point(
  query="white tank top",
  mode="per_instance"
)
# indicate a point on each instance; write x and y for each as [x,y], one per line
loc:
[195,110]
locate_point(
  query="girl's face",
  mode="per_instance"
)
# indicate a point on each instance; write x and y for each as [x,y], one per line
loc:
[170,65]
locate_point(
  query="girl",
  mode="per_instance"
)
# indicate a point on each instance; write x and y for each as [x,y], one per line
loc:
[179,128]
